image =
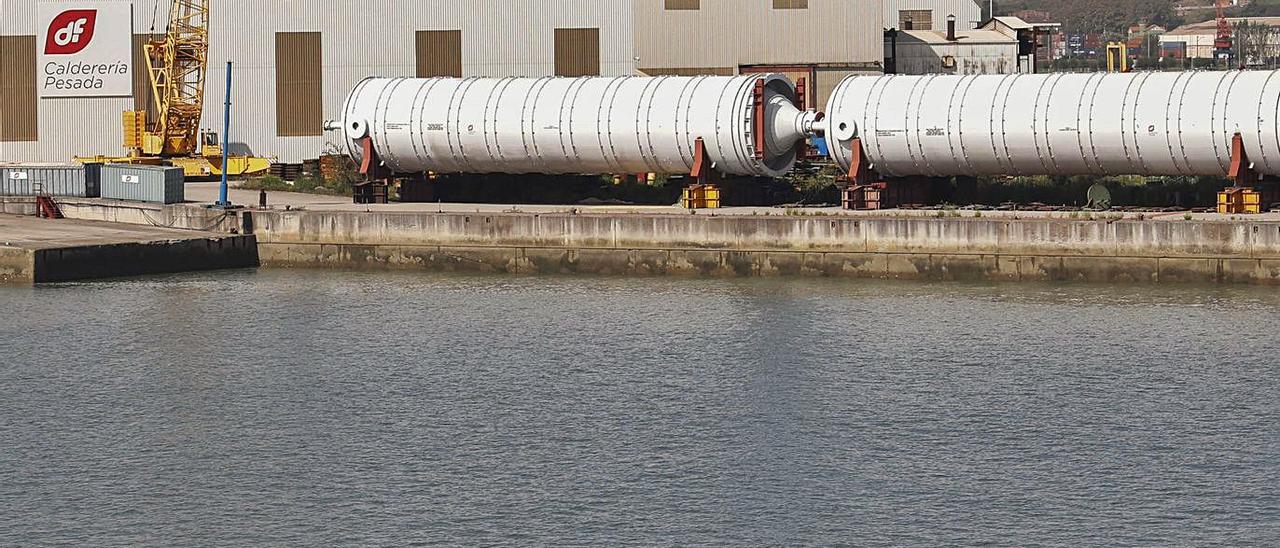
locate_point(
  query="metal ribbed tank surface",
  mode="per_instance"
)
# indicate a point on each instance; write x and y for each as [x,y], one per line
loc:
[576,125]
[1061,124]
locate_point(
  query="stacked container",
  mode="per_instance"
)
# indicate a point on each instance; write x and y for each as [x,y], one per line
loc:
[50,180]
[154,184]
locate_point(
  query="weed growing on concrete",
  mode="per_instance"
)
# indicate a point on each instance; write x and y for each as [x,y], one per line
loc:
[307,184]
[268,182]
[1186,217]
[797,212]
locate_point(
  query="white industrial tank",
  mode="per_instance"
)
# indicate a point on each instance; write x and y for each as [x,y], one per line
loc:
[577,125]
[1057,124]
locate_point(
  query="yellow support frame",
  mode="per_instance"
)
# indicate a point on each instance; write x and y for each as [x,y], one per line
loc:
[1117,57]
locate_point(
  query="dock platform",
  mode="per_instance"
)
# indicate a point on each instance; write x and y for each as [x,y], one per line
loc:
[34,250]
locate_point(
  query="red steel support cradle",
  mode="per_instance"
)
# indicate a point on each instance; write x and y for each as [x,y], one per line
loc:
[370,164]
[703,171]
[864,190]
[377,178]
[1241,173]
[704,192]
[860,172]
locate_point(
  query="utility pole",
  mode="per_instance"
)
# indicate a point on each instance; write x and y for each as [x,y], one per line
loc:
[223,202]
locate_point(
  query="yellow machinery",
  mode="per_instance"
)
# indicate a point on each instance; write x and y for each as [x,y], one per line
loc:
[1238,200]
[1117,57]
[176,65]
[701,197]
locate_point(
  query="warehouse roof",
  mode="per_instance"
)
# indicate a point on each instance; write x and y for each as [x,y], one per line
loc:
[1015,23]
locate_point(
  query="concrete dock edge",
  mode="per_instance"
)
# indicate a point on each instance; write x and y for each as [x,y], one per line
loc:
[702,245]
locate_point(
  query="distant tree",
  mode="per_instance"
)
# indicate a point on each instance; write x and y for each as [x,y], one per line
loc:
[1100,16]
[1255,44]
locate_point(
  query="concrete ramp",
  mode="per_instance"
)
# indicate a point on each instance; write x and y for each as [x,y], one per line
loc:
[36,250]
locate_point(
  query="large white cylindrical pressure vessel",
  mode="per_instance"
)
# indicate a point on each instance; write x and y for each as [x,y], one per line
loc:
[576,125]
[1057,124]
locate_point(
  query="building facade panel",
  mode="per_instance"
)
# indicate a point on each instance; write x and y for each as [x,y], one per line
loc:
[439,53]
[968,13]
[18,89]
[733,33]
[360,39]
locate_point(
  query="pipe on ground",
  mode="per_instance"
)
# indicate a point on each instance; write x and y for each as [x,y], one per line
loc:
[1147,123]
[576,125]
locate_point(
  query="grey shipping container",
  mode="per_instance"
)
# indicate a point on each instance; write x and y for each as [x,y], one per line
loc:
[67,181]
[154,184]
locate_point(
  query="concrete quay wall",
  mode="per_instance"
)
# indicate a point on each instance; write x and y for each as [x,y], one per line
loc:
[135,259]
[86,262]
[877,247]
[16,265]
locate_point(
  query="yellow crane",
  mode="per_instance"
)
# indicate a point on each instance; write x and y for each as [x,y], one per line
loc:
[176,67]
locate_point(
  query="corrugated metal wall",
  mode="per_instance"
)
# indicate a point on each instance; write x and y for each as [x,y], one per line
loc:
[968,12]
[733,33]
[361,39]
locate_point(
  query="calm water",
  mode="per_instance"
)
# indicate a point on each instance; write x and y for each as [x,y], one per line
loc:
[333,408]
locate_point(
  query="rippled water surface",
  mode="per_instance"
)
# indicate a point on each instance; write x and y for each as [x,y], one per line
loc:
[335,408]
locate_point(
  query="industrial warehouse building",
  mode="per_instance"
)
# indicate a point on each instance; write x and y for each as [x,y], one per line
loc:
[1004,45]
[296,61]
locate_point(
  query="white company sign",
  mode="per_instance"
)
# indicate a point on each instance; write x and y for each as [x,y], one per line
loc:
[86,49]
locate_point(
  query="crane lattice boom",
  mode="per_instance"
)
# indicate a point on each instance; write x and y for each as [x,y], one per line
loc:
[177,66]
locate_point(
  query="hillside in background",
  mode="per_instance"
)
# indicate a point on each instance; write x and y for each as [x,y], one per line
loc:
[1115,16]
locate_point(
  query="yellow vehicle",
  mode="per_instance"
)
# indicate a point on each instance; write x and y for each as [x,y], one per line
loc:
[177,65]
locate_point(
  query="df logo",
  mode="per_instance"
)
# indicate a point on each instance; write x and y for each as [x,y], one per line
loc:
[70,32]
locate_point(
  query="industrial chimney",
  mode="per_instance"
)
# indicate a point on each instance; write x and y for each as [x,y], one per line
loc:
[951,28]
